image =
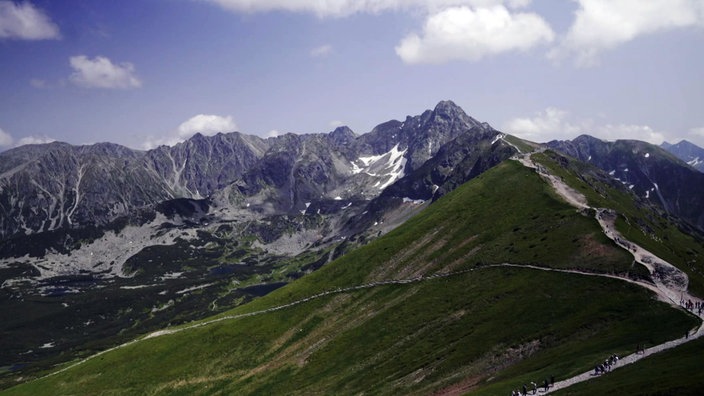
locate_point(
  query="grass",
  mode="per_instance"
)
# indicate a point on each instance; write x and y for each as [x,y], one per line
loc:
[486,331]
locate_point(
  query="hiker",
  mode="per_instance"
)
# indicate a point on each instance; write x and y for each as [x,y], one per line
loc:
[545,384]
[535,387]
[552,380]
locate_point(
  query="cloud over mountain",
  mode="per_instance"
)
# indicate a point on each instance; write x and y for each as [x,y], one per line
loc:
[5,139]
[205,124]
[554,123]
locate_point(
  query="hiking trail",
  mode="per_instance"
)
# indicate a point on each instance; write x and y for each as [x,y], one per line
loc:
[670,283]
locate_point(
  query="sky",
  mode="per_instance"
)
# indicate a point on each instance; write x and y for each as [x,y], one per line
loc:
[142,73]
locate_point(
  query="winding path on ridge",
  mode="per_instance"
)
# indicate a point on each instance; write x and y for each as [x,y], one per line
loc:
[670,284]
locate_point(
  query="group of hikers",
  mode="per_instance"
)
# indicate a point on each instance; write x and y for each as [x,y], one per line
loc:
[692,306]
[534,387]
[605,367]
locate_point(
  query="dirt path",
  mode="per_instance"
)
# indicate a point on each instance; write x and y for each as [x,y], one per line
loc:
[670,283]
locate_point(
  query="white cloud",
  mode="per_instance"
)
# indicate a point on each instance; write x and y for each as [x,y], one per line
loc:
[100,72]
[5,139]
[549,124]
[336,123]
[601,25]
[553,123]
[342,8]
[273,133]
[25,22]
[34,140]
[205,124]
[321,51]
[697,131]
[463,33]
[628,131]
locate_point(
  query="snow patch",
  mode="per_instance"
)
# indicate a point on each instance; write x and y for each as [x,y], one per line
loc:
[47,345]
[497,138]
[194,288]
[171,275]
[387,167]
[413,201]
[647,155]
[135,287]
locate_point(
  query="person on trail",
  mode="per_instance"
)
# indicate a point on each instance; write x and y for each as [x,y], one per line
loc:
[545,385]
[535,387]
[552,380]
[525,390]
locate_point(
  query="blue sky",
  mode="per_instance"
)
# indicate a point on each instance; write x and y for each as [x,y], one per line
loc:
[149,72]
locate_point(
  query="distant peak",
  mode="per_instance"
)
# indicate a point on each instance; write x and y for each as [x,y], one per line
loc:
[588,138]
[447,107]
[343,130]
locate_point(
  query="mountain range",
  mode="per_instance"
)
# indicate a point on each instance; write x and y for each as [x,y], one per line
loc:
[687,152]
[181,233]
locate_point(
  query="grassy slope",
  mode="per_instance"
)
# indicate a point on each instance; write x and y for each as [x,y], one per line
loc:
[488,329]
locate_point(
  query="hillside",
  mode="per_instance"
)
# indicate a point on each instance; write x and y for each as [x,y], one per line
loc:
[484,290]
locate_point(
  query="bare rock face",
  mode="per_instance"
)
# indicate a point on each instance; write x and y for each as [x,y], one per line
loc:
[55,186]
[48,187]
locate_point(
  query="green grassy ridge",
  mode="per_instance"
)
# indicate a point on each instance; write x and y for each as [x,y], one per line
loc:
[674,372]
[377,340]
[638,222]
[482,222]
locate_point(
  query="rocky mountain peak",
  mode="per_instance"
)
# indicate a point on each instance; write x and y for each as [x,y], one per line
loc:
[688,152]
[448,110]
[342,135]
